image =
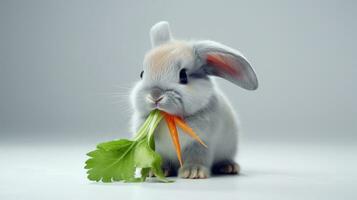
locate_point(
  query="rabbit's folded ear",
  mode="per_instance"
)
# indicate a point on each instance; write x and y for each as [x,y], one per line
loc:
[220,60]
[160,33]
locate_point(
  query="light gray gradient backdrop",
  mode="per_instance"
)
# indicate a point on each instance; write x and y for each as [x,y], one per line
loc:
[62,62]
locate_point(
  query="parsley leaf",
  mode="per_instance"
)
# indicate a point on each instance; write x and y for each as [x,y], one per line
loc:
[118,160]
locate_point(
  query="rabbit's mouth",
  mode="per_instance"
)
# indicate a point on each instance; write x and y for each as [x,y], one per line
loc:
[169,102]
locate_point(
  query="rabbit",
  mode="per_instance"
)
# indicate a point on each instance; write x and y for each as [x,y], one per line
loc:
[176,78]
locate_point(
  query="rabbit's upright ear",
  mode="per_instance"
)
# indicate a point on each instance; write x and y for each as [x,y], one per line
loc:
[219,60]
[160,33]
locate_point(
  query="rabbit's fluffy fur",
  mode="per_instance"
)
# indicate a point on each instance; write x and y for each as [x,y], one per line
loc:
[199,101]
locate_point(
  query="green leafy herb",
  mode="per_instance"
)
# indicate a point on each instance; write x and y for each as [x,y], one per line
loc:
[118,160]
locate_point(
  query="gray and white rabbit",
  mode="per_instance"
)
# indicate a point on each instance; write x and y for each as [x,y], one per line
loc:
[176,79]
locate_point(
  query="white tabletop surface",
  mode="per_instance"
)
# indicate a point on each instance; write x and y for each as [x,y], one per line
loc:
[270,170]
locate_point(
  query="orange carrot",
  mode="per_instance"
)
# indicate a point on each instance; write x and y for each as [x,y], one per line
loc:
[174,135]
[188,130]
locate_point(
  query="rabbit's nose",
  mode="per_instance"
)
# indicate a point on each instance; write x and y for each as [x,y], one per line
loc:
[156,94]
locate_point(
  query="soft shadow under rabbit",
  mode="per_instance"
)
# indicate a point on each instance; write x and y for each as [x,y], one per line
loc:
[176,79]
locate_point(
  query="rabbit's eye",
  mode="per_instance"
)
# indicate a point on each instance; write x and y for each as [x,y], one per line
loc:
[183,76]
[141,74]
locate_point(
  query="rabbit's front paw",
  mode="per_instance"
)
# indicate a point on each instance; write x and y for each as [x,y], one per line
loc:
[166,169]
[193,171]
